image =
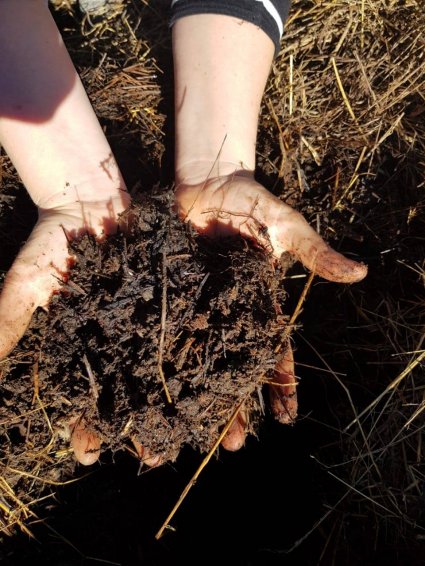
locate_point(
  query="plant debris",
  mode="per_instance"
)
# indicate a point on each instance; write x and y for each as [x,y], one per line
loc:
[157,336]
[341,138]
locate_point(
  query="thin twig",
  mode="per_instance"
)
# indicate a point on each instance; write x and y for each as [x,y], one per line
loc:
[345,98]
[288,328]
[45,480]
[291,84]
[94,390]
[36,395]
[199,470]
[163,326]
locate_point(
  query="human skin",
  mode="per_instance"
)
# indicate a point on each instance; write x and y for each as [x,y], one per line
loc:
[221,65]
[49,130]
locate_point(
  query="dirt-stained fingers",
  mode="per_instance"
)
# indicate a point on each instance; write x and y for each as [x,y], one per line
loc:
[145,455]
[84,442]
[235,437]
[283,388]
[283,401]
[86,445]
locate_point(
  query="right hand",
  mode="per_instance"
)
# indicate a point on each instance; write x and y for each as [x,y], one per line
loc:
[236,204]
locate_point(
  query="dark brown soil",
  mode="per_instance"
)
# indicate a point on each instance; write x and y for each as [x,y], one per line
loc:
[332,497]
[161,300]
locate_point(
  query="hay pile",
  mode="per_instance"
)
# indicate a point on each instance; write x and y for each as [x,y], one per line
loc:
[342,138]
[346,103]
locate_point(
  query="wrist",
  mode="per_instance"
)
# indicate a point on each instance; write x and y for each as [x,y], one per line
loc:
[220,71]
[97,214]
[197,172]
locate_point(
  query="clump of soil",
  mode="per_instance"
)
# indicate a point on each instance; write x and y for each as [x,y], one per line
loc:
[360,183]
[161,300]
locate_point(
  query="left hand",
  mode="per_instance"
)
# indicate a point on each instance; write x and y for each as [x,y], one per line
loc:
[42,266]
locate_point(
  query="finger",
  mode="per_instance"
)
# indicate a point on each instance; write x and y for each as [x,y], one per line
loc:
[151,460]
[292,233]
[283,389]
[85,443]
[16,309]
[235,437]
[331,265]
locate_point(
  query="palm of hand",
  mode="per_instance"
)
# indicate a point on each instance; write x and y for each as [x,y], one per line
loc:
[237,204]
[43,264]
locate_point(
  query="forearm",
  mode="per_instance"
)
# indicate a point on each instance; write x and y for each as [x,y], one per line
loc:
[47,124]
[221,68]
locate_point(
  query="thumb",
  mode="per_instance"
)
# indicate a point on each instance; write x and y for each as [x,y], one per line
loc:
[35,275]
[292,233]
[17,305]
[331,265]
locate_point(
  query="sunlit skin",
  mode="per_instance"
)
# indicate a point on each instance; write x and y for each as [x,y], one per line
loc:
[221,66]
[50,132]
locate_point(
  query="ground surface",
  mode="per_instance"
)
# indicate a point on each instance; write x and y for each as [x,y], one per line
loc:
[357,492]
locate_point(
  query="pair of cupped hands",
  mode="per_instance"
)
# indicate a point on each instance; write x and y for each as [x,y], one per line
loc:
[220,206]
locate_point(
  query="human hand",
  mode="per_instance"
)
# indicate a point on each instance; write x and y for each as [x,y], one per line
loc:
[236,204]
[43,263]
[42,267]
[51,134]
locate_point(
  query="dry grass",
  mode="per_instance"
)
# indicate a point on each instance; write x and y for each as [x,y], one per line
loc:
[346,100]
[348,86]
[342,136]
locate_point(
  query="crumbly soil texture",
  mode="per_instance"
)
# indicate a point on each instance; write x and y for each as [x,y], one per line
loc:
[157,312]
[341,138]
